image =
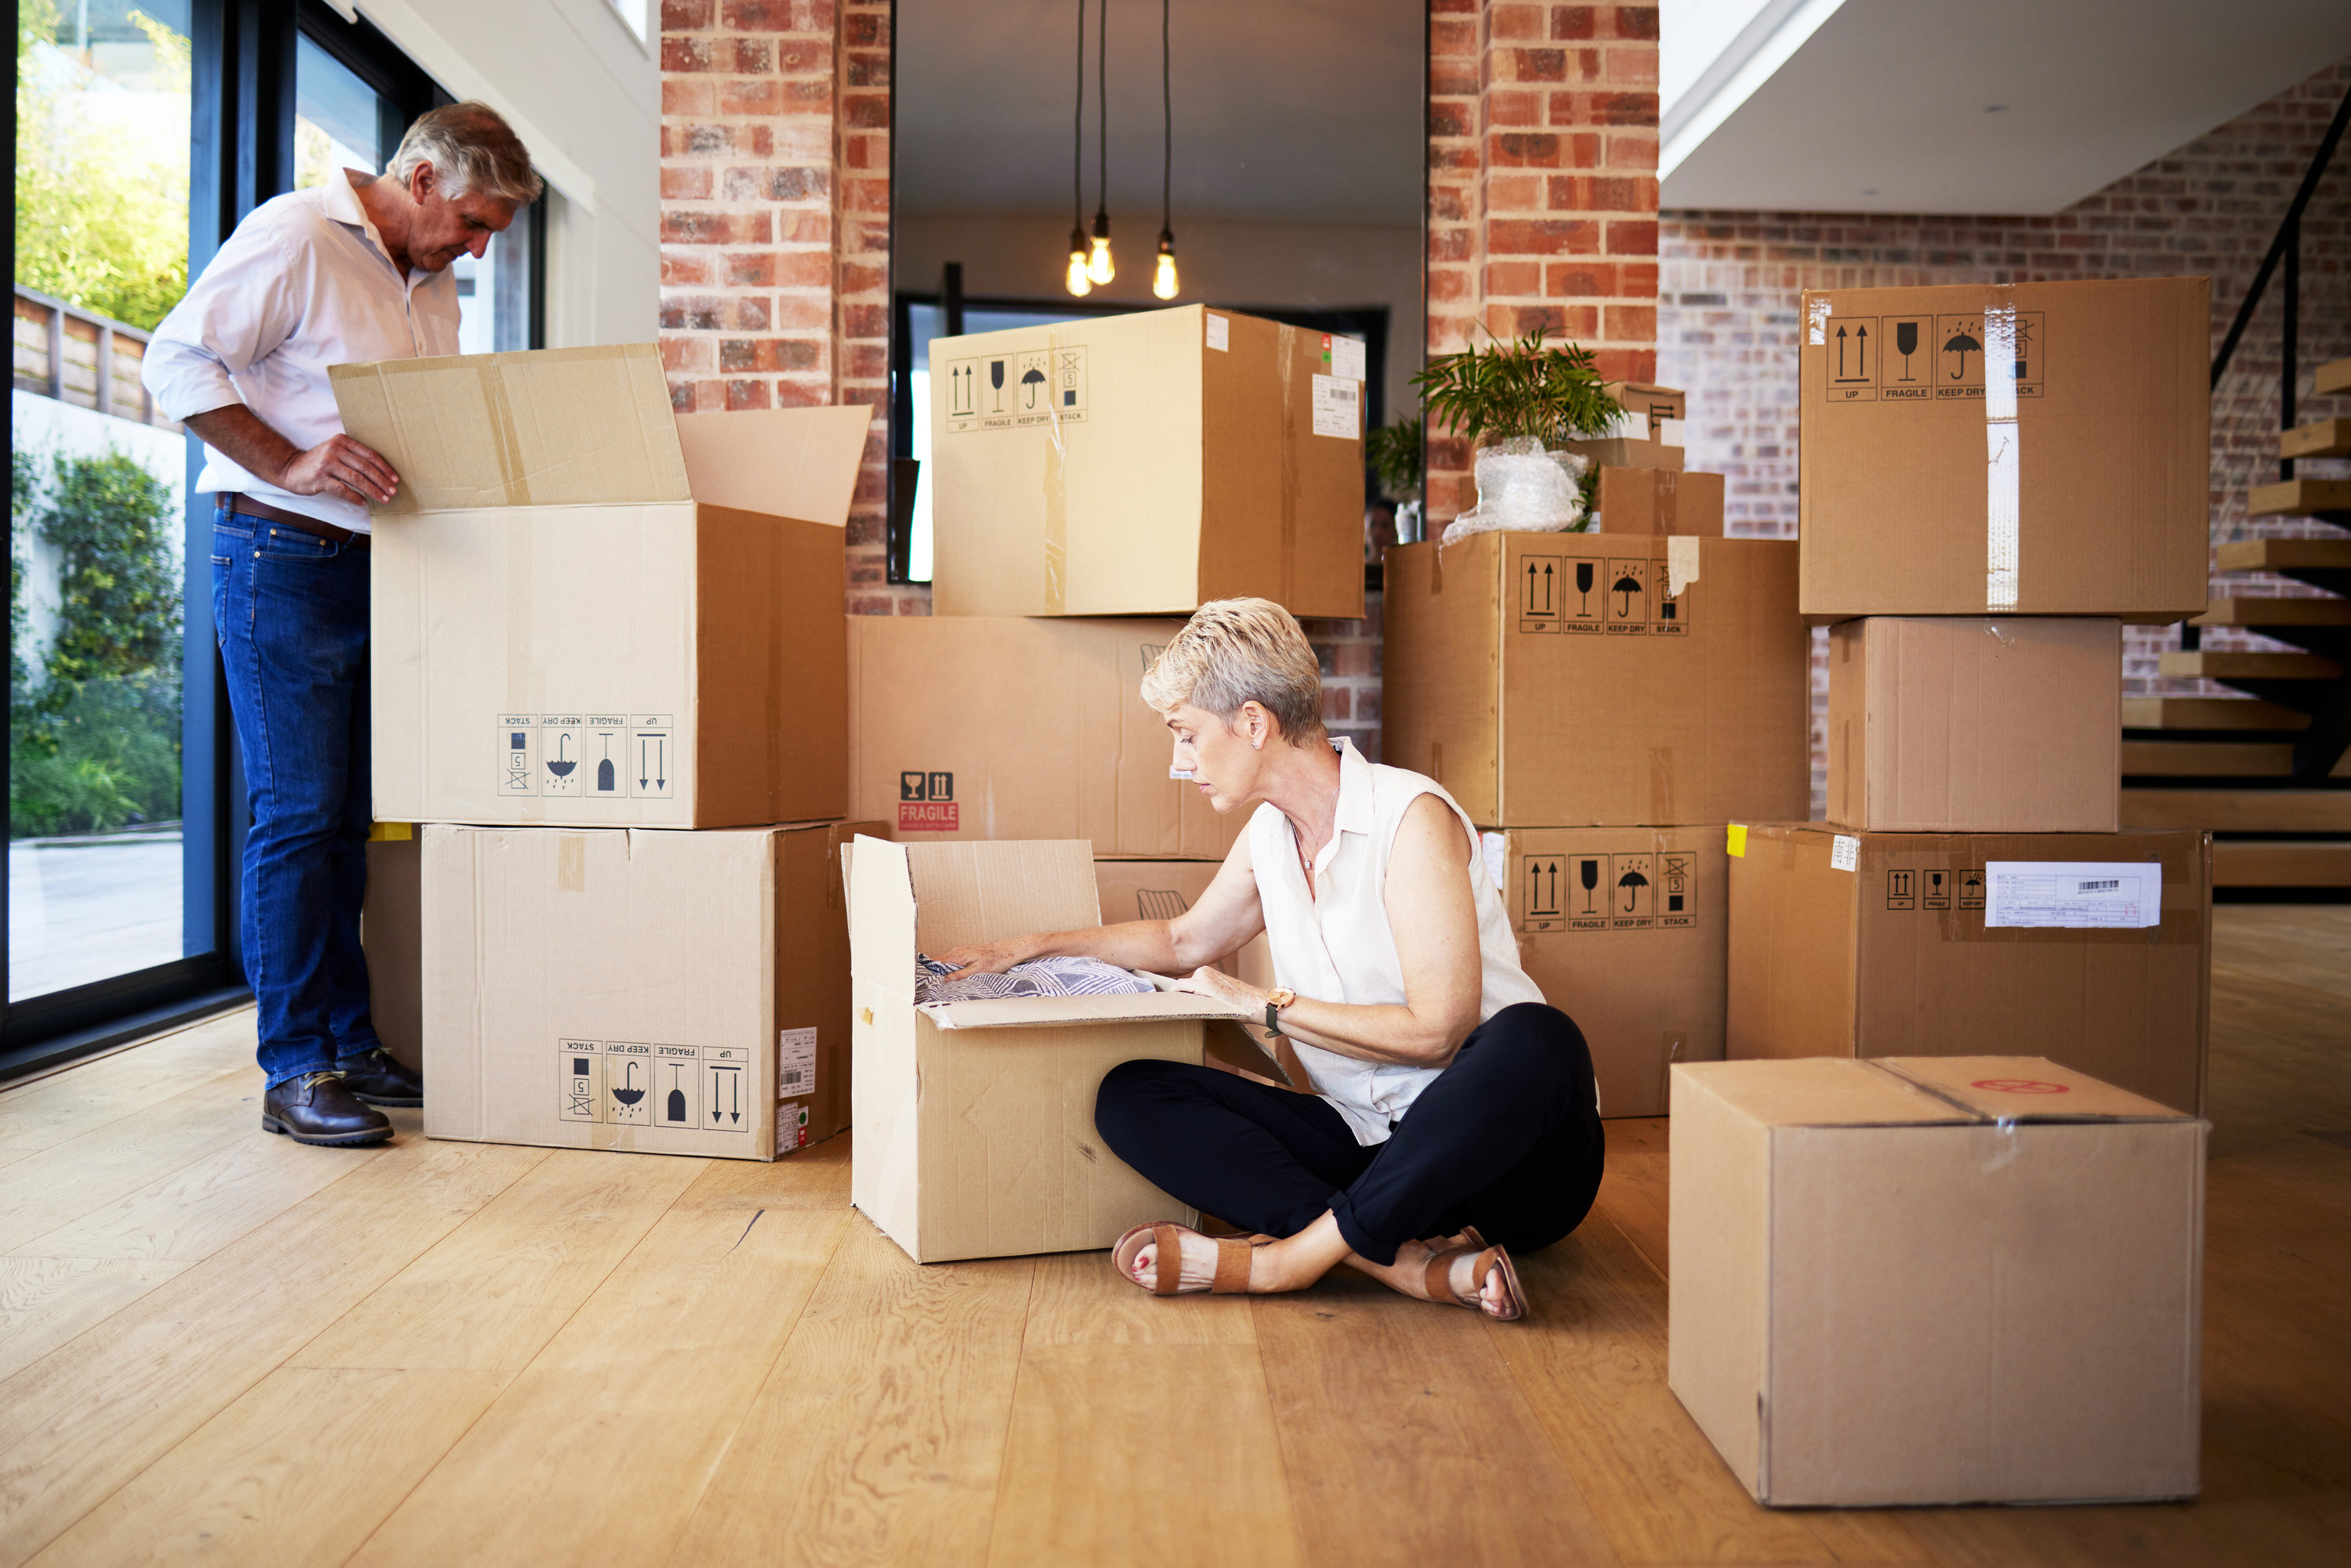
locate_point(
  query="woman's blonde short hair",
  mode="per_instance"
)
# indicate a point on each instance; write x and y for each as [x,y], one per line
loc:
[1237,651]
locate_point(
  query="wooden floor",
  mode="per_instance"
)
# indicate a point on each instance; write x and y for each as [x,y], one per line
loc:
[219,1346]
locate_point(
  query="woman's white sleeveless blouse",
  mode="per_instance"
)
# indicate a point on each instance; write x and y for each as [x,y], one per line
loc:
[1336,945]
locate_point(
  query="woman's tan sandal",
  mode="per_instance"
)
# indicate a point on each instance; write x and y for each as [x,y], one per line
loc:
[1437,1281]
[1232,1276]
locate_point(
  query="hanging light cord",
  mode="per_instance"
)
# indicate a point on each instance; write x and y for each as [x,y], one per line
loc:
[1078,131]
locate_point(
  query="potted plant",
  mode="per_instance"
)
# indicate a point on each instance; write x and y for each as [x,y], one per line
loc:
[1521,402]
[1395,454]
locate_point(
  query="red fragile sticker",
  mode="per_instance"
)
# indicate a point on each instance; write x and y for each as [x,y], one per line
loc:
[2021,1086]
[928,816]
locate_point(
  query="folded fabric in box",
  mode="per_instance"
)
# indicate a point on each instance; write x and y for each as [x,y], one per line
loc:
[1055,977]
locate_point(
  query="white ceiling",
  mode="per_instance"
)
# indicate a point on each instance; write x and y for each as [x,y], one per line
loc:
[1960,106]
[1308,111]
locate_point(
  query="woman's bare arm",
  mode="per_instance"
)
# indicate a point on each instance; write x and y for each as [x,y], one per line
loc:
[1226,916]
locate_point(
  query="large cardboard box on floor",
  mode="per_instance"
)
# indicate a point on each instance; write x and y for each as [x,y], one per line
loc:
[1622,930]
[976,1119]
[391,936]
[1936,1281]
[1953,724]
[589,611]
[1143,465]
[1567,680]
[1010,727]
[2093,949]
[648,992]
[2009,449]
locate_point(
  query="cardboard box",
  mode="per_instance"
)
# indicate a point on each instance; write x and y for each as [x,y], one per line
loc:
[1660,501]
[580,618]
[1568,680]
[1652,403]
[647,991]
[1936,1281]
[976,1119]
[1623,930]
[2031,448]
[1874,945]
[1162,890]
[1003,728]
[1965,723]
[1620,453]
[1143,465]
[392,937]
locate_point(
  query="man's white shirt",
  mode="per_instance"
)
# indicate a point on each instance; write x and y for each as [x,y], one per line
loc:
[305,283]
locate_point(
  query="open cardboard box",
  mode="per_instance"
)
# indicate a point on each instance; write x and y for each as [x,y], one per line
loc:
[589,611]
[976,1119]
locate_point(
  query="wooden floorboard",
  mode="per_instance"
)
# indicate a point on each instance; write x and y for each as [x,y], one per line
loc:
[218,1346]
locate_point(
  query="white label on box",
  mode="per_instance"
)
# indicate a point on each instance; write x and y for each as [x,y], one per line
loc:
[1338,407]
[2123,895]
[1498,860]
[795,1063]
[1845,854]
[1347,357]
[1220,332]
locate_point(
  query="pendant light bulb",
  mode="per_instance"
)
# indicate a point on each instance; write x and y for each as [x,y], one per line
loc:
[1162,282]
[1075,280]
[1098,266]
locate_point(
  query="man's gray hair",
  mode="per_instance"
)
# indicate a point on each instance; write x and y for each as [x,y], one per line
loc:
[1237,651]
[472,149]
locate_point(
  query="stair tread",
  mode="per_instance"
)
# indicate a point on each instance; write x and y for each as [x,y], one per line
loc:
[2214,665]
[2298,497]
[2213,759]
[2277,610]
[2239,811]
[2319,438]
[2282,862]
[2333,377]
[2284,555]
[2209,714]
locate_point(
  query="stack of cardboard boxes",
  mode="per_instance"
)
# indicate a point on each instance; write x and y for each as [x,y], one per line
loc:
[1602,704]
[1993,480]
[608,676]
[1092,483]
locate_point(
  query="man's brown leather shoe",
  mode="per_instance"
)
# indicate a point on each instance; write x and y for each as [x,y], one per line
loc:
[317,1108]
[379,1078]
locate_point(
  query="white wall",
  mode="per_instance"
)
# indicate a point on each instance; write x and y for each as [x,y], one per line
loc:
[584,92]
[1322,265]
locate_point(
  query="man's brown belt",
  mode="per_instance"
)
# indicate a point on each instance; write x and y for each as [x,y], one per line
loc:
[261,511]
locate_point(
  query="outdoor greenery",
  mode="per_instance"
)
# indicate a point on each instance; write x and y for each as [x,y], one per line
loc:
[101,203]
[1393,450]
[1518,391]
[94,737]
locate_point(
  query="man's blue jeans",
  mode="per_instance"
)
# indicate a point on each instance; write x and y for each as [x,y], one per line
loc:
[291,610]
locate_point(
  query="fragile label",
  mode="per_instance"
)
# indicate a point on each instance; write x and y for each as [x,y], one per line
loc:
[1338,406]
[1346,356]
[1640,890]
[1014,391]
[795,1063]
[635,1084]
[1844,852]
[2118,894]
[926,802]
[588,756]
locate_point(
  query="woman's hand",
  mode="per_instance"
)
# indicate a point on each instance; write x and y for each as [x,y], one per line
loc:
[1224,987]
[983,958]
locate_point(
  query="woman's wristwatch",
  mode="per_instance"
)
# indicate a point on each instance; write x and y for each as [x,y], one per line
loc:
[1275,1001]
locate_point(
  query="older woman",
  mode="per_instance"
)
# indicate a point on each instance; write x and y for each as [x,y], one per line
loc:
[1451,1107]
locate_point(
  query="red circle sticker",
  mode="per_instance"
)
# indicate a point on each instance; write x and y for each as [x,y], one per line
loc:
[2021,1086]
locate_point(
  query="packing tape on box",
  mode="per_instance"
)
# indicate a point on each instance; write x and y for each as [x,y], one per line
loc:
[2003,449]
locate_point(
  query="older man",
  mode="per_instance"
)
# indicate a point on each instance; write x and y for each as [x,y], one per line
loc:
[353,270]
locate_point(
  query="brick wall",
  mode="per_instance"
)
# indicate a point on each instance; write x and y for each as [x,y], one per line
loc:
[1728,304]
[1542,189]
[775,153]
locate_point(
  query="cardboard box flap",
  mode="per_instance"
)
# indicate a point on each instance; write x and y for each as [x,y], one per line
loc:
[1821,1091]
[549,427]
[2026,1089]
[1039,1012]
[786,462]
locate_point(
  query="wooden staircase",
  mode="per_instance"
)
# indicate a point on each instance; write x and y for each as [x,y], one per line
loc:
[2269,772]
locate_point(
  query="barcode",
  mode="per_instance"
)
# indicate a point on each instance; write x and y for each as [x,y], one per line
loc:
[2107,886]
[790,1078]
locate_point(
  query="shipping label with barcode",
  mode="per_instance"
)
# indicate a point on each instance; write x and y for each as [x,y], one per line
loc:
[2118,894]
[795,1063]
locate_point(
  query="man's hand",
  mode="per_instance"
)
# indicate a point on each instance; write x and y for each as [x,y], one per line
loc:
[342,468]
